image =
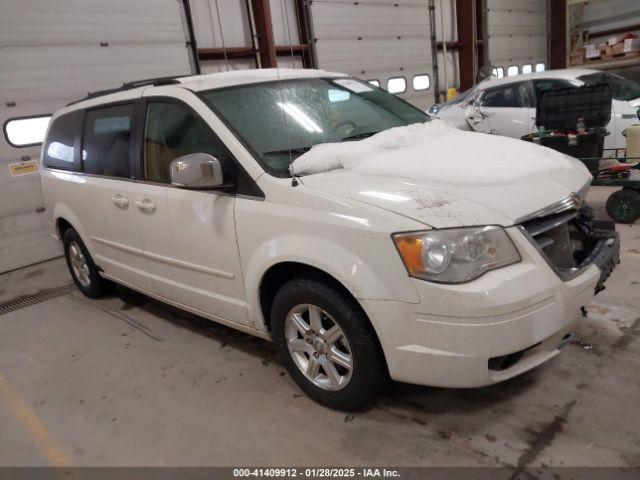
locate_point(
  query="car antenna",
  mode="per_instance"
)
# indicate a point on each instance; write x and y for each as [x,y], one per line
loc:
[294,177]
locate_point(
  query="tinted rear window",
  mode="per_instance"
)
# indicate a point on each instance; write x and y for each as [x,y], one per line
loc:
[59,151]
[107,141]
[509,96]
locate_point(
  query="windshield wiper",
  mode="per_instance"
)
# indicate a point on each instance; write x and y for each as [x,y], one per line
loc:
[297,151]
[358,136]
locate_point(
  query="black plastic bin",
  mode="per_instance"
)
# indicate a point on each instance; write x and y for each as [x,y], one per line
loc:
[588,149]
[559,110]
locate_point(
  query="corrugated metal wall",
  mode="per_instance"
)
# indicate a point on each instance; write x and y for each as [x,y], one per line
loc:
[517,33]
[602,15]
[376,40]
[52,52]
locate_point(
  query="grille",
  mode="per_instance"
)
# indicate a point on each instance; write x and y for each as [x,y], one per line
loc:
[41,296]
[556,238]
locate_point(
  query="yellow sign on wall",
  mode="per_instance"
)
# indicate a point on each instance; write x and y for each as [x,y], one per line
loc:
[23,168]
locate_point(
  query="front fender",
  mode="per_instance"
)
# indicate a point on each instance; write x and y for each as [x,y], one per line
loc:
[347,267]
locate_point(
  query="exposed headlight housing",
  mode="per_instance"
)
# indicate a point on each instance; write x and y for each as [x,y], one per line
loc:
[455,255]
[434,109]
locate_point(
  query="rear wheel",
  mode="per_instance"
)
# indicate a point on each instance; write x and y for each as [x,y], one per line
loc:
[623,206]
[83,271]
[327,344]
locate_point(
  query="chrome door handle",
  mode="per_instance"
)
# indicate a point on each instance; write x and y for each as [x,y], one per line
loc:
[119,201]
[146,205]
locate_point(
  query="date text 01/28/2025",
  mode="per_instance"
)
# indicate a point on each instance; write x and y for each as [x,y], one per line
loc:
[315,473]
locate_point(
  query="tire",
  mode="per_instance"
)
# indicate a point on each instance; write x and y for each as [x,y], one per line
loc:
[623,206]
[82,268]
[357,387]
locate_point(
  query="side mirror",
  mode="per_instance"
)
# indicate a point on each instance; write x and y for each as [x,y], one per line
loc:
[196,170]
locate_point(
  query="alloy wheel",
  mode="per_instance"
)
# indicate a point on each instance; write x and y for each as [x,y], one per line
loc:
[318,347]
[79,265]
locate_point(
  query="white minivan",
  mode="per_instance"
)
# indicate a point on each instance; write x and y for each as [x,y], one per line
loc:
[366,257]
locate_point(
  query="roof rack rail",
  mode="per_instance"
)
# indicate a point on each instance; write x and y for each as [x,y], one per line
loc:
[155,82]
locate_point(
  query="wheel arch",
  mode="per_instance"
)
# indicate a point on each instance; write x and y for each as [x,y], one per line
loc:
[63,219]
[277,275]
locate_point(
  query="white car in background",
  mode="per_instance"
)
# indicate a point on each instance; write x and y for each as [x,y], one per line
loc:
[507,106]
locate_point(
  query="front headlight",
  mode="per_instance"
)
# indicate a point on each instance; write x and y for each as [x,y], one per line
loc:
[455,255]
[434,109]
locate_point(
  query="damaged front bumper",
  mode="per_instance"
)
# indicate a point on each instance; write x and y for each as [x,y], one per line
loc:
[507,321]
[606,252]
[570,242]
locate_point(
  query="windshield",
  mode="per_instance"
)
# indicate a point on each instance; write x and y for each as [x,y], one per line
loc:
[462,97]
[621,88]
[279,121]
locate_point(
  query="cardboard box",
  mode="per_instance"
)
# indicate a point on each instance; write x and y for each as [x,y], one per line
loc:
[630,44]
[592,51]
[605,52]
[617,49]
[576,57]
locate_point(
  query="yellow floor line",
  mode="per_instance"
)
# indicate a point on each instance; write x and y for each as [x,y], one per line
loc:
[42,438]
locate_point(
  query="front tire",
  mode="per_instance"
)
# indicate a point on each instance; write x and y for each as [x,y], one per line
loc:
[82,268]
[327,344]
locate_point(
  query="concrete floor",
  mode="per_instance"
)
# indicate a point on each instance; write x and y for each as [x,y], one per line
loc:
[128,381]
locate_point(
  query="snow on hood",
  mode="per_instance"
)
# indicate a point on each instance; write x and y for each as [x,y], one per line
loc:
[444,177]
[437,152]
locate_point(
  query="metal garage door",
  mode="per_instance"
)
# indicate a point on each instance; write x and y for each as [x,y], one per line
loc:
[52,52]
[516,34]
[383,40]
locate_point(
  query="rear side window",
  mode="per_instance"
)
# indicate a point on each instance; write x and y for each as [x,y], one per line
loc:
[63,139]
[514,95]
[541,86]
[107,141]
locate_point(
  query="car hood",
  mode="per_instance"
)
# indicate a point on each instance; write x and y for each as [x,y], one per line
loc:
[470,179]
[440,205]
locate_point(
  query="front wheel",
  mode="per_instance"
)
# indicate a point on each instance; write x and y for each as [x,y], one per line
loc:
[327,344]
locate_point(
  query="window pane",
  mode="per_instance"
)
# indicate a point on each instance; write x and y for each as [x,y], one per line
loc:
[107,140]
[512,71]
[397,85]
[500,72]
[540,67]
[173,130]
[421,82]
[513,96]
[528,68]
[26,131]
[59,150]
[374,82]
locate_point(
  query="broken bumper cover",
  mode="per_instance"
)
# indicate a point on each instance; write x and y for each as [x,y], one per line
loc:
[605,255]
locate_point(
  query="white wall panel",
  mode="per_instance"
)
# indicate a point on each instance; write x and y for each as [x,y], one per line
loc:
[285,22]
[52,52]
[215,66]
[234,18]
[375,39]
[517,32]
